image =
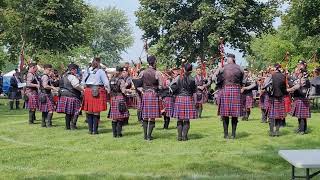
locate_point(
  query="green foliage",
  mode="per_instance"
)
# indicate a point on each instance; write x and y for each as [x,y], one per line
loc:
[191,28]
[299,35]
[111,34]
[58,30]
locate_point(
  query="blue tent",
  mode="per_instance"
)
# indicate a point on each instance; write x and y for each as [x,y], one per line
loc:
[6,81]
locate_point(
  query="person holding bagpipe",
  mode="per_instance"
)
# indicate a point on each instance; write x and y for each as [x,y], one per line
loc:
[301,106]
[184,87]
[125,75]
[150,107]
[95,94]
[32,89]
[201,93]
[264,98]
[46,103]
[167,98]
[70,93]
[249,84]
[118,112]
[275,86]
[230,104]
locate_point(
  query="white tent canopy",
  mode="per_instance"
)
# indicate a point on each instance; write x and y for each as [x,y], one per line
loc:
[9,74]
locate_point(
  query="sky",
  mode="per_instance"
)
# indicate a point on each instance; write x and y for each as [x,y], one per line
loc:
[129,7]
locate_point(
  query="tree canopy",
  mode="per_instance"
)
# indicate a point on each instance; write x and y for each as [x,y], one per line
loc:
[53,30]
[191,28]
[299,35]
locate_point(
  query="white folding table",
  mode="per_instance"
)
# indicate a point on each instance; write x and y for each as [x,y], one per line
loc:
[305,159]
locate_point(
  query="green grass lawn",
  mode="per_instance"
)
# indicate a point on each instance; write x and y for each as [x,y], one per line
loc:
[29,151]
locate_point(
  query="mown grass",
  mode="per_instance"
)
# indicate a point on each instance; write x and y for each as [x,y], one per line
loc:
[32,152]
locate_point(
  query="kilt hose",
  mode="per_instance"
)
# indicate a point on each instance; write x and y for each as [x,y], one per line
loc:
[264,101]
[230,102]
[276,109]
[94,104]
[114,112]
[48,106]
[69,105]
[33,100]
[184,108]
[247,101]
[301,108]
[168,105]
[150,105]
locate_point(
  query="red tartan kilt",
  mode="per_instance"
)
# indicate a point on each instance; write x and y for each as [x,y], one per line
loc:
[287,104]
[248,101]
[168,105]
[131,101]
[230,103]
[301,108]
[276,109]
[68,105]
[150,105]
[49,106]
[94,104]
[114,112]
[33,101]
[184,108]
[55,99]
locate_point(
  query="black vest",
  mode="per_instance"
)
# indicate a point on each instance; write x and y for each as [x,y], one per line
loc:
[66,88]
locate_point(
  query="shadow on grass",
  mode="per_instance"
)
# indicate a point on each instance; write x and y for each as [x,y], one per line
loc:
[241,135]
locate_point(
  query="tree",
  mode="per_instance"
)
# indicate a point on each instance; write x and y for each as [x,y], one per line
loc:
[193,28]
[299,35]
[44,25]
[111,34]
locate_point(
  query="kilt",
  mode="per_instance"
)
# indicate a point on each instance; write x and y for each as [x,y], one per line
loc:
[94,104]
[138,102]
[199,100]
[48,106]
[168,106]
[184,108]
[301,108]
[131,101]
[150,106]
[287,103]
[247,101]
[55,99]
[33,100]
[276,109]
[114,113]
[230,101]
[15,95]
[264,101]
[68,105]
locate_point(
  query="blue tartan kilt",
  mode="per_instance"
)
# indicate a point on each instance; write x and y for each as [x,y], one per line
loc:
[69,105]
[301,108]
[276,108]
[33,100]
[230,104]
[49,106]
[184,108]
[150,106]
[114,112]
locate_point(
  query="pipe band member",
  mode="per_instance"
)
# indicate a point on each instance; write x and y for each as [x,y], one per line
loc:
[15,91]
[70,92]
[276,108]
[230,96]
[32,89]
[249,84]
[150,108]
[95,94]
[184,105]
[301,105]
[46,103]
[118,112]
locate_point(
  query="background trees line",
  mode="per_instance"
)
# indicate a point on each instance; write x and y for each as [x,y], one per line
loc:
[188,28]
[60,31]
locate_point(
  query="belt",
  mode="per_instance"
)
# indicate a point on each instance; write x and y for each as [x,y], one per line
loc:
[91,86]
